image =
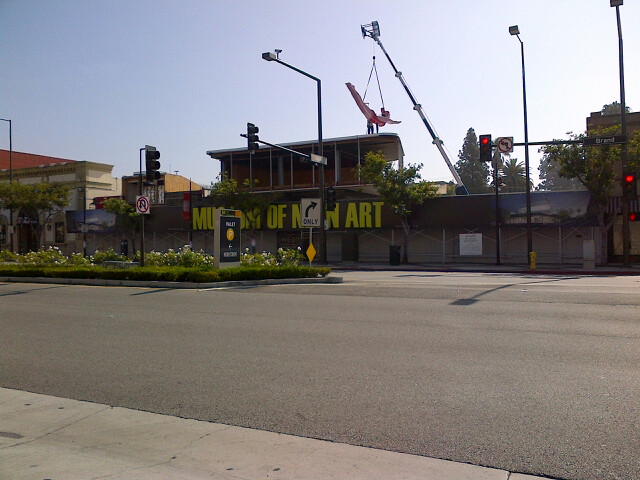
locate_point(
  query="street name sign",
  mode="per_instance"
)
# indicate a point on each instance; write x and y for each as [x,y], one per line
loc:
[318,159]
[608,140]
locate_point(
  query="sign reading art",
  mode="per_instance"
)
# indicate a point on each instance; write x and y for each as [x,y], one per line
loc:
[288,216]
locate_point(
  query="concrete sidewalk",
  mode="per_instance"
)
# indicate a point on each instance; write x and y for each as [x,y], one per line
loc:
[543,269]
[44,437]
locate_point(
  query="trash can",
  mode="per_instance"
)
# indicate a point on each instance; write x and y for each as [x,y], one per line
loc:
[124,248]
[394,254]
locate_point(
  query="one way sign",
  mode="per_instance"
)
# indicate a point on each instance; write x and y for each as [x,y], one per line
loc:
[310,212]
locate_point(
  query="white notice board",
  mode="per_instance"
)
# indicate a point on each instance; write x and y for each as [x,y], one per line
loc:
[470,244]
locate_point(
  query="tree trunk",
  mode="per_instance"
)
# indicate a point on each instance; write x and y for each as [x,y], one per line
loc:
[133,243]
[604,239]
[604,231]
[405,241]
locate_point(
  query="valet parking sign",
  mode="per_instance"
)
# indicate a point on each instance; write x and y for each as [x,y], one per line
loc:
[227,239]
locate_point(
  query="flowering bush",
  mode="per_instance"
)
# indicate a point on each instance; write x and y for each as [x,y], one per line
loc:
[48,256]
[284,257]
[8,256]
[263,259]
[185,257]
[290,257]
[101,256]
[78,259]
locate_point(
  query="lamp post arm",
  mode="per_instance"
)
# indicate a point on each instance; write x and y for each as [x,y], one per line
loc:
[302,72]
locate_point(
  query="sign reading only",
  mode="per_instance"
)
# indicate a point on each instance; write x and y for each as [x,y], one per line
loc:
[310,212]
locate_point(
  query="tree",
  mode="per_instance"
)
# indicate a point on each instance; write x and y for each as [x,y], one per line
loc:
[613,109]
[472,171]
[597,168]
[126,216]
[39,201]
[514,177]
[398,188]
[550,179]
[227,193]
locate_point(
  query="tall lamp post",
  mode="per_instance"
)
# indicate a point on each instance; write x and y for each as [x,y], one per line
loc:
[274,57]
[10,180]
[513,30]
[626,234]
[83,192]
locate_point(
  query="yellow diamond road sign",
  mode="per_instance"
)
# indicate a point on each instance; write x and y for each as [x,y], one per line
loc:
[311,252]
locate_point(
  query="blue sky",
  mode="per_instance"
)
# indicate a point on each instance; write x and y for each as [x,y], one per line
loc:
[97,80]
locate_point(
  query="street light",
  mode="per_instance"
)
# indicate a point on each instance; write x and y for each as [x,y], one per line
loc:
[83,191]
[275,57]
[626,234]
[513,30]
[10,180]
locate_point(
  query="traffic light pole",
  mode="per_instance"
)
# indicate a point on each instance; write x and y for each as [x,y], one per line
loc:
[11,226]
[497,157]
[142,220]
[626,233]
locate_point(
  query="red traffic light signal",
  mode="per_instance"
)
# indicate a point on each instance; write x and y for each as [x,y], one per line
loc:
[629,185]
[485,148]
[634,217]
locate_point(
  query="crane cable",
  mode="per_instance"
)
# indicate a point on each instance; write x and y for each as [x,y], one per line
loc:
[373,68]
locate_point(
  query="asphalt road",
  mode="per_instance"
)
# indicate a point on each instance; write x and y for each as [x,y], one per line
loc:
[531,374]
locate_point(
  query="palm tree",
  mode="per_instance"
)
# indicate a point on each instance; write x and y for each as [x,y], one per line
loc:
[514,177]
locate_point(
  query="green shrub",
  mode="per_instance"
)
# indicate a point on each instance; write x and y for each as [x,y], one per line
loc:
[8,256]
[184,257]
[282,257]
[78,259]
[44,256]
[184,265]
[101,256]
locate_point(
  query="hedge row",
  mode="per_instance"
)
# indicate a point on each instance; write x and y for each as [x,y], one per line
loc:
[167,274]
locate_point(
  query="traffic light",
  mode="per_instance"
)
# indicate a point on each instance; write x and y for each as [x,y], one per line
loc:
[252,137]
[629,185]
[485,148]
[153,165]
[331,198]
[634,217]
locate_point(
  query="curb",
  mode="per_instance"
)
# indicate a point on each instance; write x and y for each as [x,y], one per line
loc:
[97,282]
[611,271]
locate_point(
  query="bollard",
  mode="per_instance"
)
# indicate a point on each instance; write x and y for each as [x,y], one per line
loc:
[532,260]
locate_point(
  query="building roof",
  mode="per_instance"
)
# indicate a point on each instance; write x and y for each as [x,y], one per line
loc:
[597,119]
[20,160]
[378,137]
